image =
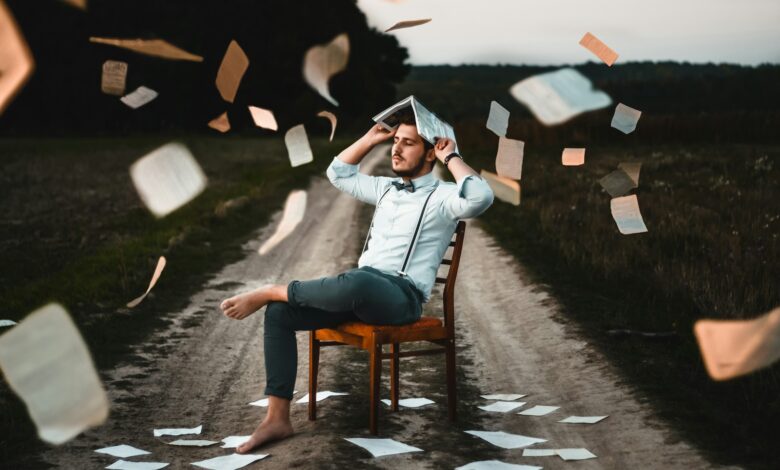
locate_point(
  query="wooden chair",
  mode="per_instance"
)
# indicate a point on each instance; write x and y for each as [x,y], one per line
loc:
[373,337]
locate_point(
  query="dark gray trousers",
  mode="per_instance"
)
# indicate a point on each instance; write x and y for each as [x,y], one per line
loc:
[365,294]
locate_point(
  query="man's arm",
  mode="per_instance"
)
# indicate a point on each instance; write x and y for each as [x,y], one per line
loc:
[474,195]
[343,171]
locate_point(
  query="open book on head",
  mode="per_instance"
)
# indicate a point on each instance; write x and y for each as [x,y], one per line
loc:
[429,126]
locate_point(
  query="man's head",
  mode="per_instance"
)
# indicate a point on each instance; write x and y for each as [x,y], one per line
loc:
[412,156]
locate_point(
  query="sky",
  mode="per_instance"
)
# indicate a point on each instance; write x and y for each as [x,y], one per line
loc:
[547,32]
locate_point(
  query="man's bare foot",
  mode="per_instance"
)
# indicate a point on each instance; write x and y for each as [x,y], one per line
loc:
[267,431]
[241,306]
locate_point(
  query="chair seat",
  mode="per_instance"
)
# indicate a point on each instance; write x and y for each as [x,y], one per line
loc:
[366,329]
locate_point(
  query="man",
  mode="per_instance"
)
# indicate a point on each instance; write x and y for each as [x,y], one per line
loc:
[413,223]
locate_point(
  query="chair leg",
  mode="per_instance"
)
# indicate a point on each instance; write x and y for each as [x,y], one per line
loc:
[314,365]
[376,374]
[451,387]
[395,348]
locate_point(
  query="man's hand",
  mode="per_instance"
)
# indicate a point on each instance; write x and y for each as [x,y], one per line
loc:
[443,147]
[378,134]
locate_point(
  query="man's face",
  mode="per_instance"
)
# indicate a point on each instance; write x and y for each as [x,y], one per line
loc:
[408,155]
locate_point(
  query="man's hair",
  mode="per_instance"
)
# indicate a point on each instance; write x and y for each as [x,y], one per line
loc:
[406,116]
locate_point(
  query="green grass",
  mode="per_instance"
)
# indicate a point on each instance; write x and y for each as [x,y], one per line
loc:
[713,214]
[74,231]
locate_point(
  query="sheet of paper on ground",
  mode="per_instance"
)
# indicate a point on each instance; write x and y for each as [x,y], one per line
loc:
[601,50]
[538,410]
[321,396]
[503,396]
[625,211]
[122,451]
[167,178]
[231,71]
[231,442]
[410,402]
[16,60]
[506,440]
[731,348]
[582,419]
[555,97]
[157,271]
[496,465]
[177,431]
[298,148]
[506,189]
[46,363]
[502,406]
[152,47]
[127,465]
[498,119]
[229,462]
[380,447]
[625,118]
[323,61]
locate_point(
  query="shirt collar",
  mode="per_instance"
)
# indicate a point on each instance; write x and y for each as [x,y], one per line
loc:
[423,181]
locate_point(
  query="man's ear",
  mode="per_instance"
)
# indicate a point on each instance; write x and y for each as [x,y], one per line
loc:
[430,155]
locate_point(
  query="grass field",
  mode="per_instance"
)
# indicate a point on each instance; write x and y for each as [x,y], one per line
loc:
[74,231]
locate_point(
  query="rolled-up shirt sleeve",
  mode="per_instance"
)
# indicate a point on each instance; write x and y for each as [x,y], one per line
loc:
[472,198]
[347,178]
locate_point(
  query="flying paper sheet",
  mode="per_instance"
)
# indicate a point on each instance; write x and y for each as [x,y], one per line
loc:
[632,170]
[618,183]
[231,71]
[380,447]
[731,348]
[127,465]
[410,402]
[294,210]
[575,454]
[538,410]
[157,271]
[298,147]
[177,431]
[625,118]
[220,123]
[263,118]
[509,160]
[46,363]
[582,419]
[139,97]
[503,406]
[320,396]
[333,121]
[229,462]
[407,24]
[601,50]
[625,211]
[16,61]
[114,77]
[498,119]
[192,443]
[573,157]
[503,396]
[231,442]
[506,440]
[80,4]
[152,47]
[555,97]
[324,61]
[496,465]
[503,188]
[122,451]
[167,178]
[5,323]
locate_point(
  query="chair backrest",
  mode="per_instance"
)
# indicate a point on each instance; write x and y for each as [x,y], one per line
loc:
[452,274]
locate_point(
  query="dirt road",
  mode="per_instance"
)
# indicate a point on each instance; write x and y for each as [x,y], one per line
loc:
[205,369]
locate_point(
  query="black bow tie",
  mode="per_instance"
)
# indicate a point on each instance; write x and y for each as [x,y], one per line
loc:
[407,186]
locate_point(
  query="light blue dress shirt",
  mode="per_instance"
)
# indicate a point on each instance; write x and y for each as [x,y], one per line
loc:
[397,214]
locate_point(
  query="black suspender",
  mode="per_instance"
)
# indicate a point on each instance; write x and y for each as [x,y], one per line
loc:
[417,229]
